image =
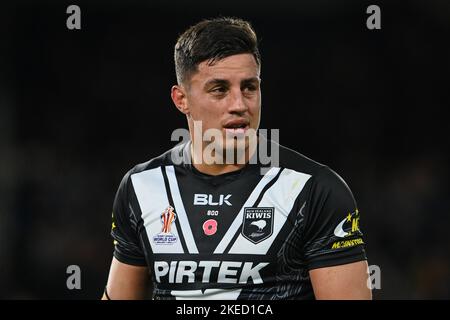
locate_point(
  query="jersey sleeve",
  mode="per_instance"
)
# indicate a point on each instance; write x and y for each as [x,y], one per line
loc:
[127,247]
[331,235]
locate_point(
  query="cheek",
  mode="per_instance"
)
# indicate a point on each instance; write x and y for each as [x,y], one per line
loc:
[255,106]
[206,110]
[255,112]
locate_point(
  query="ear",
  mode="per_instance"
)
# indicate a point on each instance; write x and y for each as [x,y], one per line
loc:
[178,94]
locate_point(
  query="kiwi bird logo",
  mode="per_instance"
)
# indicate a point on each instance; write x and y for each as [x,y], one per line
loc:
[260,224]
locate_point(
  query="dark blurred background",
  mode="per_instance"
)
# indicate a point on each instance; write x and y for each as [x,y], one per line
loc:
[79,108]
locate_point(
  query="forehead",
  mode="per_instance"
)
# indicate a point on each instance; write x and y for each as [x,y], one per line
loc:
[232,68]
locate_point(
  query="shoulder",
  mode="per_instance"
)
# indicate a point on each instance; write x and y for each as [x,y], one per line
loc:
[322,176]
[294,160]
[165,159]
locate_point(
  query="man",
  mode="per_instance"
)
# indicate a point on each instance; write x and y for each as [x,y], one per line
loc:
[186,227]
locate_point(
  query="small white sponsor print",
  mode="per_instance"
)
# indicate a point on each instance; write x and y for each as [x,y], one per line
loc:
[339,230]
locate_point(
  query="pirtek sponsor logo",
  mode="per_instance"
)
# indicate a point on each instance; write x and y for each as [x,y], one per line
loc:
[206,271]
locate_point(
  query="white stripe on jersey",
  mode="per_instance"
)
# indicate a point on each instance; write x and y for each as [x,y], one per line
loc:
[281,195]
[180,211]
[209,294]
[152,197]
[250,201]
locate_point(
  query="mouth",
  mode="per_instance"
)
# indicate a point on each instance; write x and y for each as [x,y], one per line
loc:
[237,126]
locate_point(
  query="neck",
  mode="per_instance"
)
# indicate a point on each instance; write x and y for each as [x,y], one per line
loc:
[217,168]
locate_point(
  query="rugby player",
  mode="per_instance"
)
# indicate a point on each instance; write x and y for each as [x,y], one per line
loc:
[187,228]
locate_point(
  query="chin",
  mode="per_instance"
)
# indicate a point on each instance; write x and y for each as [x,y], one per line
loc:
[235,143]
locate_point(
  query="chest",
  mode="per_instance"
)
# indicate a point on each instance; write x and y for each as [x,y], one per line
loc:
[185,215]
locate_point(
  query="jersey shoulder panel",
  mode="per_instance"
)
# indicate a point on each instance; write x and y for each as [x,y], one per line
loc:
[128,247]
[330,229]
[331,232]
[291,159]
[172,156]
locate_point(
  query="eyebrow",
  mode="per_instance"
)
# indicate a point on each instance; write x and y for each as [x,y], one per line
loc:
[250,80]
[214,82]
[227,83]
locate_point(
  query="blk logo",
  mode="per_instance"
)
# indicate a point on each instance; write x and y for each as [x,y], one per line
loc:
[201,199]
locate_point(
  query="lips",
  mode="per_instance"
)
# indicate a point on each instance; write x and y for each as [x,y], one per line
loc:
[236,126]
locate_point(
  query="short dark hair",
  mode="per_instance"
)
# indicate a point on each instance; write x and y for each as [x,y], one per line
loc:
[212,40]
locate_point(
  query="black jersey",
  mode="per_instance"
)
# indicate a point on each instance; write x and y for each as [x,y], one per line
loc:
[239,235]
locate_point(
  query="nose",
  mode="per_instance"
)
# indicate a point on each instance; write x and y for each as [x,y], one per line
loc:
[237,104]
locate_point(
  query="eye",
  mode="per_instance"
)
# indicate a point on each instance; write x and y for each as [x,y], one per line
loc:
[219,90]
[250,88]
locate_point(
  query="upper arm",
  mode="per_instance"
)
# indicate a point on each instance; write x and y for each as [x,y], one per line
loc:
[348,281]
[128,282]
[128,276]
[125,227]
[333,243]
[331,234]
